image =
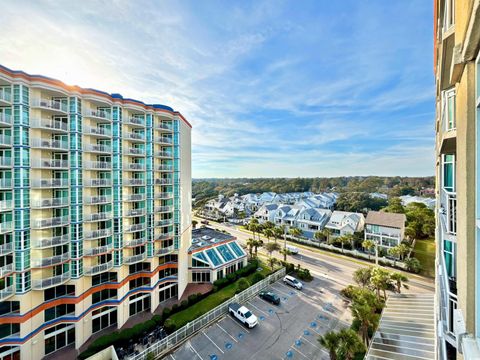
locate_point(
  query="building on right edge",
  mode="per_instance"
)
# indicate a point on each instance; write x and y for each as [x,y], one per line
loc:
[456,66]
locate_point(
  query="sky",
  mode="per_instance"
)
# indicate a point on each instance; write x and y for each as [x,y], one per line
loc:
[272,88]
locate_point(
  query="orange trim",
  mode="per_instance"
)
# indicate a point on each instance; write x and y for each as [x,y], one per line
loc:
[50,304]
[83,91]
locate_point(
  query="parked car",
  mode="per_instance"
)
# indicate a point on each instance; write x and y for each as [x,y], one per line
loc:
[270,297]
[290,280]
[292,249]
[205,222]
[244,315]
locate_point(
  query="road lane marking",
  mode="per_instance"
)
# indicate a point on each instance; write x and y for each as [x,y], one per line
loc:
[203,332]
[172,357]
[305,356]
[195,351]
[225,331]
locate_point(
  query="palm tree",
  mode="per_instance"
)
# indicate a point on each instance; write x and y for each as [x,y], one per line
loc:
[272,261]
[399,280]
[403,250]
[330,341]
[362,276]
[268,232]
[395,252]
[268,225]
[295,232]
[318,235]
[380,280]
[256,245]
[271,247]
[250,244]
[194,223]
[285,252]
[344,239]
[350,344]
[368,245]
[326,232]
[253,226]
[366,317]
[277,233]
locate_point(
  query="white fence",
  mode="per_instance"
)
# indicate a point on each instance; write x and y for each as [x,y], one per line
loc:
[173,340]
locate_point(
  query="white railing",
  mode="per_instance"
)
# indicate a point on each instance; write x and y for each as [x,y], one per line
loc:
[164,236]
[163,181]
[98,182]
[6,205]
[164,195]
[106,215]
[5,118]
[6,269]
[96,269]
[102,165]
[164,222]
[50,104]
[98,250]
[96,234]
[97,148]
[135,258]
[52,202]
[49,222]
[50,261]
[134,151]
[164,209]
[94,200]
[164,140]
[164,126]
[7,292]
[134,182]
[99,114]
[135,227]
[48,183]
[165,168]
[448,211]
[134,136]
[135,197]
[135,212]
[135,121]
[163,346]
[48,124]
[5,140]
[5,161]
[165,250]
[49,163]
[90,130]
[50,242]
[134,166]
[167,154]
[40,284]
[5,95]
[6,248]
[6,227]
[49,144]
[135,242]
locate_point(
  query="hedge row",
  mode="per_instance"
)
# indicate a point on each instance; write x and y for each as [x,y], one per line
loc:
[231,278]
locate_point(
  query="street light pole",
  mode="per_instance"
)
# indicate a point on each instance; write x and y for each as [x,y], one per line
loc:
[376,252]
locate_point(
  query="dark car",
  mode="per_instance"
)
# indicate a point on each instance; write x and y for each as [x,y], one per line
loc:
[270,297]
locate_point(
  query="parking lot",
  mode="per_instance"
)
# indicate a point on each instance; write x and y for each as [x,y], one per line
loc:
[288,331]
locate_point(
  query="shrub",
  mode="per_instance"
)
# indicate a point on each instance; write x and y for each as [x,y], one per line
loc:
[242,284]
[184,304]
[166,313]
[174,308]
[158,319]
[169,326]
[257,277]
[192,299]
[413,265]
[231,278]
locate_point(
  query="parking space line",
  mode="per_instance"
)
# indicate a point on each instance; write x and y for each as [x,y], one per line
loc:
[172,357]
[240,326]
[305,356]
[263,312]
[225,331]
[195,351]
[285,286]
[319,348]
[281,292]
[203,332]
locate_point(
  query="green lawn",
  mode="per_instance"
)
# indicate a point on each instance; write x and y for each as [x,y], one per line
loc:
[210,302]
[425,252]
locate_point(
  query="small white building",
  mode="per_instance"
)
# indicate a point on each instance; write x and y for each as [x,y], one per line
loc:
[429,202]
[312,220]
[343,222]
[385,229]
[266,213]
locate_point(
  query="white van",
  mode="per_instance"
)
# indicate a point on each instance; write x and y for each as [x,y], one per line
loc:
[292,249]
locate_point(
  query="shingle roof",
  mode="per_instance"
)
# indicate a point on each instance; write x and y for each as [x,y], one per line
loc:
[386,219]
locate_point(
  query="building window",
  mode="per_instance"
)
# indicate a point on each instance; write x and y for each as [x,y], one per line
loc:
[138,303]
[201,277]
[448,167]
[9,307]
[448,110]
[59,291]
[58,337]
[448,14]
[103,295]
[103,318]
[104,278]
[8,330]
[59,311]
[10,353]
[168,292]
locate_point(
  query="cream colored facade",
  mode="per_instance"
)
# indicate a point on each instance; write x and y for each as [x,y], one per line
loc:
[457,39]
[95,212]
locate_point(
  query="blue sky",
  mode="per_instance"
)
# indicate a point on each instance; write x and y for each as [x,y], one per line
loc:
[276,88]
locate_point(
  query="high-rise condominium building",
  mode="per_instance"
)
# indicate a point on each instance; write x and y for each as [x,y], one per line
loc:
[457,75]
[95,198]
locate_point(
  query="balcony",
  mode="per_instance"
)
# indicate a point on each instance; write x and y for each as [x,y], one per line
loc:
[5,162]
[164,236]
[165,251]
[135,258]
[49,183]
[165,168]
[134,166]
[132,136]
[448,301]
[51,242]
[6,205]
[164,154]
[50,261]
[135,212]
[135,242]
[98,182]
[135,197]
[164,127]
[49,164]
[134,182]
[135,227]
[97,114]
[133,151]
[49,124]
[98,216]
[164,140]
[5,96]
[97,148]
[49,203]
[50,222]
[163,195]
[135,121]
[163,209]
[166,222]
[97,269]
[95,200]
[6,248]
[42,284]
[97,131]
[448,214]
[41,143]
[6,227]
[5,119]
[98,165]
[6,270]
[5,293]
[163,181]
[55,106]
[97,234]
[99,250]
[5,140]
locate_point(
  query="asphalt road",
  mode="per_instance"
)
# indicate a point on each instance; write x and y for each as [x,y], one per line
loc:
[326,265]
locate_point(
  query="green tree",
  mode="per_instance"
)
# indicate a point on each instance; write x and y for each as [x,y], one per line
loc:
[368,245]
[362,276]
[330,341]
[272,262]
[395,252]
[271,247]
[253,226]
[268,232]
[380,280]
[345,239]
[326,232]
[403,250]
[268,225]
[413,265]
[250,244]
[242,284]
[295,232]
[194,223]
[277,233]
[318,236]
[366,316]
[394,206]
[285,252]
[256,244]
[399,279]
[342,345]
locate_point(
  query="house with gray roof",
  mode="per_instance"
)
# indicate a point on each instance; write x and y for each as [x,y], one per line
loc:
[343,222]
[266,213]
[312,220]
